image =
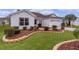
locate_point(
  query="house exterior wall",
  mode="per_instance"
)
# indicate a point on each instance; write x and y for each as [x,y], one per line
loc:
[50,22]
[15,20]
[45,23]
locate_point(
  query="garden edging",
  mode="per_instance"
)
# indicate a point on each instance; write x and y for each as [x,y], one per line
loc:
[59,44]
[18,39]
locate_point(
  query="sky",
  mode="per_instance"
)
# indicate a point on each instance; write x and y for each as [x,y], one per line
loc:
[58,12]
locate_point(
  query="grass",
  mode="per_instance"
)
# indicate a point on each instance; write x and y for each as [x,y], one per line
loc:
[39,41]
[77,27]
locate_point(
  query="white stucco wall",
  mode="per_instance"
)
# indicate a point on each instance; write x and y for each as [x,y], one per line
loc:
[46,22]
[15,19]
[51,22]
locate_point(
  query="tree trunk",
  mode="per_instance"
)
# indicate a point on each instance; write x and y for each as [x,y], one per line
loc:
[69,23]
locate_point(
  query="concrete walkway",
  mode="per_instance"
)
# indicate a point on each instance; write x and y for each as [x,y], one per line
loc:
[69,28]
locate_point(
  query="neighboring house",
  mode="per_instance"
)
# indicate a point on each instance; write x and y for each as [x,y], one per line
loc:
[76,22]
[3,21]
[27,19]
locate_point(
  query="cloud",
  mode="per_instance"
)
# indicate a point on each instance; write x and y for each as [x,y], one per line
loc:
[58,12]
[4,12]
[63,12]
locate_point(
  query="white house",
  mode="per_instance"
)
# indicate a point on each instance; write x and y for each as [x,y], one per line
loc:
[27,19]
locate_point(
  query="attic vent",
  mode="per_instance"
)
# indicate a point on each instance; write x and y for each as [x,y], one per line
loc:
[18,9]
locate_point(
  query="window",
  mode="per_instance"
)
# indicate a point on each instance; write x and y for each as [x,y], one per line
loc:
[35,22]
[26,21]
[23,21]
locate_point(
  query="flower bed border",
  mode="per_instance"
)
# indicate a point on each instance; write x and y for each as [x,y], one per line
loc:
[17,39]
[22,38]
[59,44]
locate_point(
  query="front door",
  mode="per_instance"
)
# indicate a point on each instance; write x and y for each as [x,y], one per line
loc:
[39,25]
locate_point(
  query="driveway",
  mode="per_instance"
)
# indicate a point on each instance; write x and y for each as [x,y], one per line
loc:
[69,28]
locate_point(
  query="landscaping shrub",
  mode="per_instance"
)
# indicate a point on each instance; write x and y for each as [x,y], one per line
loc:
[62,25]
[17,31]
[24,28]
[76,33]
[46,28]
[11,32]
[16,27]
[54,27]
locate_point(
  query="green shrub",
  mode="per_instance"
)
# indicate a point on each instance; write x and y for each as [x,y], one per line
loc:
[16,27]
[24,28]
[17,31]
[11,32]
[54,27]
[46,28]
[76,33]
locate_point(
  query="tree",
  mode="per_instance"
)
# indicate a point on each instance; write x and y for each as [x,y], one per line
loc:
[69,18]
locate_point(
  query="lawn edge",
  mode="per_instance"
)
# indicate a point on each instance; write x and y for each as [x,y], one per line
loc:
[59,44]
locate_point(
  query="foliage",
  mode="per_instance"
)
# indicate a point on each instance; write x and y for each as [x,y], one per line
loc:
[69,18]
[38,41]
[76,33]
[16,27]
[17,31]
[11,32]
[24,28]
[54,27]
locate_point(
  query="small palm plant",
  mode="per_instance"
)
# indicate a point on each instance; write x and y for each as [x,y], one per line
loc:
[69,18]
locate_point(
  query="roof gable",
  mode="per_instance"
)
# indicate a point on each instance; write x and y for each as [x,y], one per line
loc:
[21,12]
[35,14]
[52,15]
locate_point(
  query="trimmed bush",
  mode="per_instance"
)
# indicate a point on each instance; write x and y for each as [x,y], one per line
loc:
[76,33]
[16,27]
[54,27]
[11,32]
[17,31]
[24,28]
[46,28]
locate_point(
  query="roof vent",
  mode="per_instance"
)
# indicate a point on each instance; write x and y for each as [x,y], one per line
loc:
[18,9]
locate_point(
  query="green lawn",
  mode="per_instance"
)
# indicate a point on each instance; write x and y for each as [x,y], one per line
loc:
[39,41]
[75,26]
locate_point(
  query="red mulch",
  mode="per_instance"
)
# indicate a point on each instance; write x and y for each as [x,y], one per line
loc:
[70,46]
[22,33]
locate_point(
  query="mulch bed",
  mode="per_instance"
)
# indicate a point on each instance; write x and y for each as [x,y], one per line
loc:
[26,32]
[69,46]
[21,34]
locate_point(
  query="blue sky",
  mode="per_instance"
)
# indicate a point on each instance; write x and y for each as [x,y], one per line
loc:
[58,12]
